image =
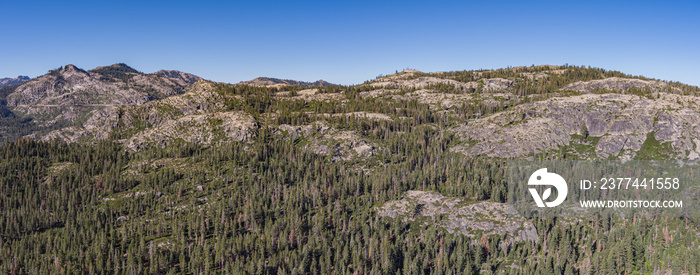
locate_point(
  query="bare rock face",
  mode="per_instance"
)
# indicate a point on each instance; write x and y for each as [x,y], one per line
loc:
[435,99]
[325,140]
[100,121]
[342,145]
[201,129]
[496,84]
[621,121]
[614,144]
[295,132]
[460,217]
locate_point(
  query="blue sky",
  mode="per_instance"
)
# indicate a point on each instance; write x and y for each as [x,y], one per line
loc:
[349,42]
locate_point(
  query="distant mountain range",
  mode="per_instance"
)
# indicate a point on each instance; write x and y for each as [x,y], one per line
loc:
[13,81]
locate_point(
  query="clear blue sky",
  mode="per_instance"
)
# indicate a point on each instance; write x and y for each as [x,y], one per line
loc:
[350,42]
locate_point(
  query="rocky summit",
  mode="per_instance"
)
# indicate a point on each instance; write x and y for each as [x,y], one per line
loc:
[117,84]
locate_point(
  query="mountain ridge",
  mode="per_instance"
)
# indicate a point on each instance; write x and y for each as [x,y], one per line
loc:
[114,84]
[69,95]
[277,82]
[130,105]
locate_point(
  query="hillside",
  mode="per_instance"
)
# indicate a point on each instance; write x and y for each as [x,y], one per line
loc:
[117,171]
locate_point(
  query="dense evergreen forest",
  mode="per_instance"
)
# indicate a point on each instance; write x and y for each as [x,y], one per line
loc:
[270,206]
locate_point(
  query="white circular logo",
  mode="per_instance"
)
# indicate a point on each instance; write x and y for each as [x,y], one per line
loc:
[541,177]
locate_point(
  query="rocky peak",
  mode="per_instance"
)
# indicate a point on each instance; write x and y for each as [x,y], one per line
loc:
[121,67]
[410,71]
[65,73]
[71,68]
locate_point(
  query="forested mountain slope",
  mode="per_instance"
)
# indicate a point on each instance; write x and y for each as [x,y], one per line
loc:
[115,171]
